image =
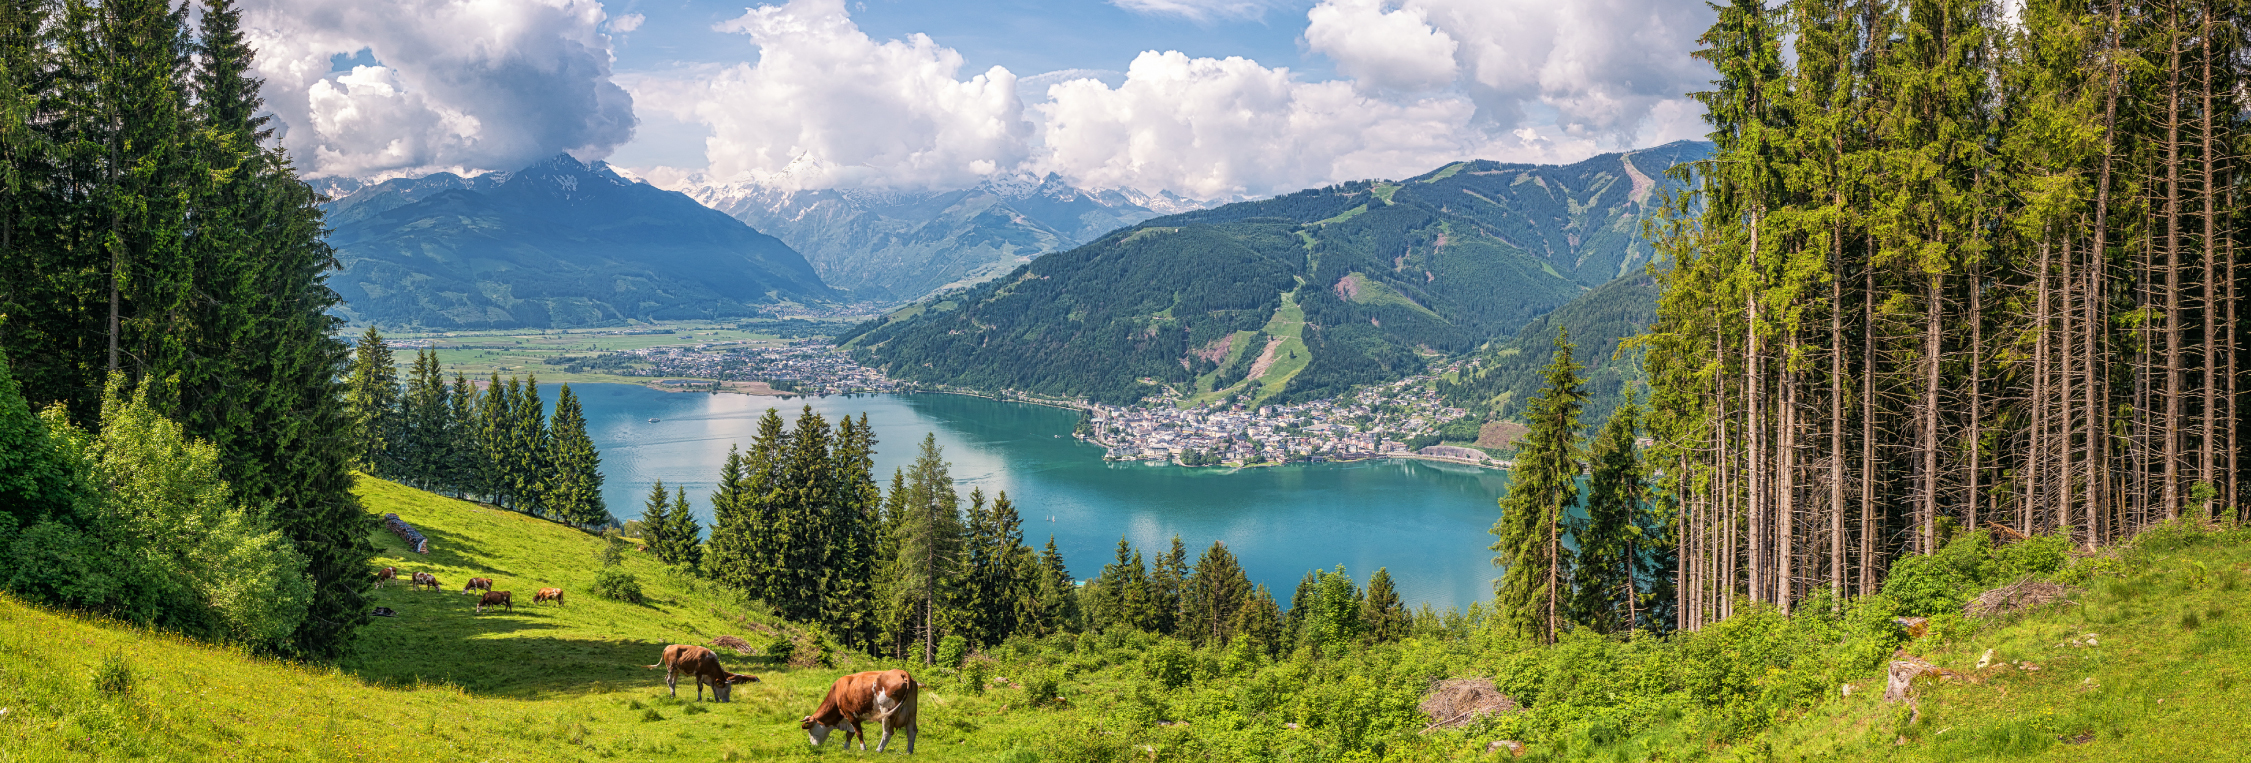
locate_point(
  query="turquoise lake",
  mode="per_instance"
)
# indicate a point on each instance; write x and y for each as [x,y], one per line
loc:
[1427,522]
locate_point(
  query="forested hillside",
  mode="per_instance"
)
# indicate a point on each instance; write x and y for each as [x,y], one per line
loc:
[1500,379]
[557,244]
[1949,270]
[1290,298]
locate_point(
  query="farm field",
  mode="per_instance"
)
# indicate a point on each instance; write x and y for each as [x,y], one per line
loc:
[515,353]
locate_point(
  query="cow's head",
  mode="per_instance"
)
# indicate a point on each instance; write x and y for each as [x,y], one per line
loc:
[817,732]
[723,688]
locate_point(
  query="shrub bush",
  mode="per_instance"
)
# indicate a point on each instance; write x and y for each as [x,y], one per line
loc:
[973,677]
[1169,664]
[1041,689]
[618,585]
[115,677]
[951,650]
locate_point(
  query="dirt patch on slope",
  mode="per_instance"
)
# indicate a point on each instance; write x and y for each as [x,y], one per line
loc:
[1265,357]
[1216,351]
[1500,434]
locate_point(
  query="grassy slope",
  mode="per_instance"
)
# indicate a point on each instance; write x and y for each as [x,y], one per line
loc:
[2164,680]
[436,683]
[440,683]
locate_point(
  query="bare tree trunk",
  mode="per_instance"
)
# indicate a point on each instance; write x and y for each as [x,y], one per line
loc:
[2097,265]
[1755,420]
[1926,520]
[2170,426]
[2040,442]
[1977,389]
[1837,413]
[1786,488]
[2204,468]
[1867,578]
[2067,404]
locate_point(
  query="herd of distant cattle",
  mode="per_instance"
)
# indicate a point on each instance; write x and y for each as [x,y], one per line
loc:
[886,698]
[490,598]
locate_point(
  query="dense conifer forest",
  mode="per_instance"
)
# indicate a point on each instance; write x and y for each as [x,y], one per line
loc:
[1947,269]
[158,254]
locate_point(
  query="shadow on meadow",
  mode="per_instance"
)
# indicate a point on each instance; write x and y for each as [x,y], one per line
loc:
[449,552]
[438,638]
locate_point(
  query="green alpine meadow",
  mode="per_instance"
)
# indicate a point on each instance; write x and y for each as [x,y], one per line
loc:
[1849,380]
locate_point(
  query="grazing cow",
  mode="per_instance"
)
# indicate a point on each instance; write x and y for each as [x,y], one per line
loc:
[386,575]
[494,599]
[477,584]
[423,579]
[703,665]
[548,594]
[885,696]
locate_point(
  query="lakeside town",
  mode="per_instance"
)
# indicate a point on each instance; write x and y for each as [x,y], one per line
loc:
[1394,420]
[1384,421]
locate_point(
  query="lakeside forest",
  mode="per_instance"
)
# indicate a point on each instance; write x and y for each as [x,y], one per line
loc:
[1951,307]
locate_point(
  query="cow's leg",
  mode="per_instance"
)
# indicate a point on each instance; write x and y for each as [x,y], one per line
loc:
[912,726]
[672,681]
[880,743]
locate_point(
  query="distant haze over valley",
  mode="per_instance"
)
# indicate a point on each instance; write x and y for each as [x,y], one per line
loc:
[897,246]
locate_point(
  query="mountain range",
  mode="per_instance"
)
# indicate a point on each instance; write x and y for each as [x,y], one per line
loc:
[560,243]
[896,246]
[1293,297]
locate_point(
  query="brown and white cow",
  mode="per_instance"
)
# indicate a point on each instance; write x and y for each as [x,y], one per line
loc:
[477,584]
[703,665]
[548,594]
[386,575]
[494,599]
[886,697]
[423,579]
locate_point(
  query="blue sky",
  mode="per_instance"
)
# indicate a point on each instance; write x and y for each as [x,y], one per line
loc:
[1026,36]
[1205,98]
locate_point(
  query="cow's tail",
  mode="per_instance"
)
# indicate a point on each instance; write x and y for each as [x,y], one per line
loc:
[654,667]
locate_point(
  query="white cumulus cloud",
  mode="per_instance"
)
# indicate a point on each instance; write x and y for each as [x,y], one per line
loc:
[1422,83]
[1614,70]
[825,105]
[457,84]
[1396,49]
[1215,128]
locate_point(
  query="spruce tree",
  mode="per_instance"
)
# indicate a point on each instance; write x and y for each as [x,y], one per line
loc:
[1604,592]
[1261,623]
[530,448]
[1383,617]
[1059,609]
[495,422]
[848,578]
[1166,578]
[656,522]
[426,411]
[930,543]
[373,401]
[683,537]
[729,557]
[464,440]
[1542,489]
[1212,596]
[764,499]
[804,526]
[575,467]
